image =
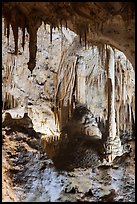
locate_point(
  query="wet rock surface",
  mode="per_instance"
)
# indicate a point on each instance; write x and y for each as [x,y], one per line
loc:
[30,175]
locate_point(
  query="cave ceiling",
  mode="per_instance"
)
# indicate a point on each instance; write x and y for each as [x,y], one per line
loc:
[96,23]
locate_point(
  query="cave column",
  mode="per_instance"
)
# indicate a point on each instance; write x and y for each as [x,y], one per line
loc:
[111,124]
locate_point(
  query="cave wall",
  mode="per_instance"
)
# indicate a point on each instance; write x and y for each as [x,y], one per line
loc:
[34,93]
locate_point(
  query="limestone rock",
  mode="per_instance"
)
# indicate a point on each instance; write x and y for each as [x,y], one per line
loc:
[83,124]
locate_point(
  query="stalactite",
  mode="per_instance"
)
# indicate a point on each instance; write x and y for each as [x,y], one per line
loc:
[33,26]
[101,81]
[85,38]
[51,27]
[14,103]
[80,40]
[121,79]
[125,117]
[15,33]
[23,37]
[54,26]
[133,119]
[129,93]
[130,117]
[120,122]
[117,112]
[116,77]
[106,88]
[70,109]
[100,55]
[55,110]
[61,24]
[126,66]
[45,25]
[7,30]
[117,98]
[73,80]
[12,106]
[10,101]
[133,108]
[124,90]
[5,26]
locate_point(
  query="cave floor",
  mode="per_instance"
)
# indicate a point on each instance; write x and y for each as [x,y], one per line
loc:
[28,174]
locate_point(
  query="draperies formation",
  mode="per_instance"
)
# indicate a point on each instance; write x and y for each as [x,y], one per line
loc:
[117,83]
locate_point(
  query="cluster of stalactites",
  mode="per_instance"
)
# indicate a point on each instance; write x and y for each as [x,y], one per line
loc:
[66,96]
[16,20]
[100,77]
[8,84]
[65,83]
[125,99]
[124,90]
[9,101]
[124,94]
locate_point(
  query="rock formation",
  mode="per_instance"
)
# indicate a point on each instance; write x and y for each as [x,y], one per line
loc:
[68,93]
[95,22]
[82,124]
[73,75]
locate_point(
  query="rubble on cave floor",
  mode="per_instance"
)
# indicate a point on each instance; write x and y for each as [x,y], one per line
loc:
[30,175]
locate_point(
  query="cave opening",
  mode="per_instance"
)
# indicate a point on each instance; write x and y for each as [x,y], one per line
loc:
[71,96]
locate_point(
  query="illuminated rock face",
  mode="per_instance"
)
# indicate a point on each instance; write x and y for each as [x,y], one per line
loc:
[66,70]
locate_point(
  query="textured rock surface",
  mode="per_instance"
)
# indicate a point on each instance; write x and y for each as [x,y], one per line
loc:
[95,22]
[28,175]
[66,74]
[65,70]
